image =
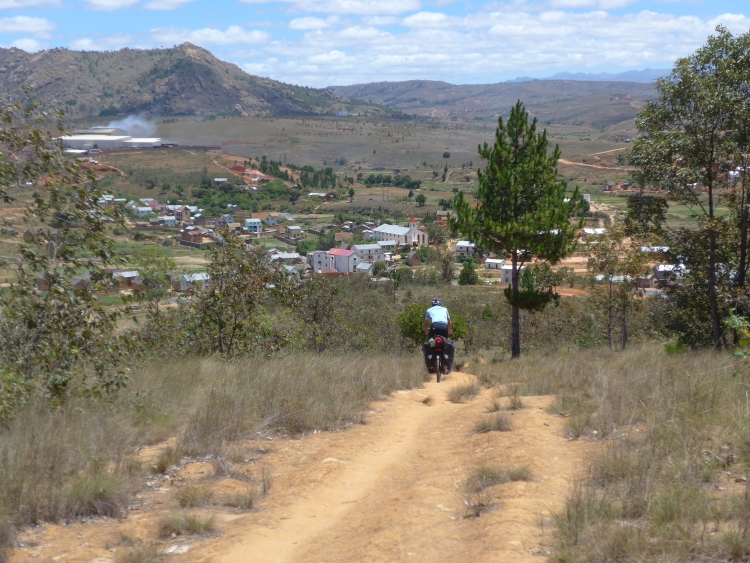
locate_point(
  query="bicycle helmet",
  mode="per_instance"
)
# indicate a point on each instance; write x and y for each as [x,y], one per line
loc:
[436,303]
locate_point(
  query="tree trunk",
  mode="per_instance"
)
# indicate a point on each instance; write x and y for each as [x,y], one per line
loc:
[609,320]
[745,203]
[624,323]
[712,294]
[515,345]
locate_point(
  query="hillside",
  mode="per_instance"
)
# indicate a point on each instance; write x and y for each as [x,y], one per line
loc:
[596,104]
[185,80]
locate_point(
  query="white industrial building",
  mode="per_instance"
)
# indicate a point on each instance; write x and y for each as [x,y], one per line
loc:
[108,138]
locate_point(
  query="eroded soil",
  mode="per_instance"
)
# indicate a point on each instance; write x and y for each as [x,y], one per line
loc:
[391,489]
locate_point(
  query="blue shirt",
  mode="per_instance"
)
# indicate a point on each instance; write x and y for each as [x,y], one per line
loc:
[438,314]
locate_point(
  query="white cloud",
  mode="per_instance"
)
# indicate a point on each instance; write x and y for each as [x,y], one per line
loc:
[596,4]
[108,43]
[15,4]
[486,46]
[426,19]
[361,7]
[308,23]
[28,44]
[25,24]
[233,35]
[110,5]
[379,20]
[165,4]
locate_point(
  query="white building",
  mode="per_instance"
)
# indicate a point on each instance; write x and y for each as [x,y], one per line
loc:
[365,268]
[167,220]
[494,263]
[343,261]
[402,236]
[465,247]
[369,253]
[320,260]
[254,226]
[107,138]
[599,231]
[388,245]
[507,273]
[194,281]
[294,232]
[142,211]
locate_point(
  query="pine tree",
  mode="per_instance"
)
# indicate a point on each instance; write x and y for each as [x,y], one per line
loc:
[522,210]
[468,275]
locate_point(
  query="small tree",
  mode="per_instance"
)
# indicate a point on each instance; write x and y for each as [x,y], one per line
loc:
[421,200]
[228,309]
[522,208]
[468,275]
[317,295]
[154,271]
[621,264]
[351,194]
[378,268]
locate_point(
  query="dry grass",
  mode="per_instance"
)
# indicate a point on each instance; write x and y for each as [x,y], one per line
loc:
[514,396]
[186,524]
[428,400]
[497,423]
[488,475]
[244,500]
[142,554]
[60,463]
[668,486]
[192,496]
[460,393]
[477,503]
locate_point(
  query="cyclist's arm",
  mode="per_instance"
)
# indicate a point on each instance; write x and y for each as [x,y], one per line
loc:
[427,324]
[450,326]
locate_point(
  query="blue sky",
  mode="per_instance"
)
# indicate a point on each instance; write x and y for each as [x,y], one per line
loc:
[326,42]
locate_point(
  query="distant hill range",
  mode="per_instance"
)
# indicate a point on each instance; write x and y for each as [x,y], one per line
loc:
[185,80]
[647,75]
[594,104]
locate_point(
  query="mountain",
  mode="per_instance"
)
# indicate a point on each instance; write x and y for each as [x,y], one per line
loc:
[647,75]
[597,104]
[184,80]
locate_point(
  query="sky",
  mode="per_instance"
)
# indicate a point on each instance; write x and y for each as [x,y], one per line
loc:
[333,42]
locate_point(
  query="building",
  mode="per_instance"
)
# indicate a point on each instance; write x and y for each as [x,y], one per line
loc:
[506,273]
[294,232]
[364,268]
[588,232]
[369,252]
[254,226]
[668,272]
[187,282]
[465,247]
[344,261]
[388,245]
[494,263]
[167,220]
[414,259]
[220,180]
[181,212]
[143,211]
[402,236]
[107,138]
[319,260]
[267,218]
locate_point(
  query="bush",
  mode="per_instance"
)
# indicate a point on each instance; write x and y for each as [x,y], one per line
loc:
[459,393]
[496,423]
[186,523]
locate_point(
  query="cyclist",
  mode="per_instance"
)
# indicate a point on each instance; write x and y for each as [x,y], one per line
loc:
[437,322]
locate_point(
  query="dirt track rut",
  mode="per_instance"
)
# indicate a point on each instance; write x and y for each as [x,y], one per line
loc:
[388,490]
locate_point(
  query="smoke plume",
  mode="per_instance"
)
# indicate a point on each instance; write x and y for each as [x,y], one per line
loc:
[136,126]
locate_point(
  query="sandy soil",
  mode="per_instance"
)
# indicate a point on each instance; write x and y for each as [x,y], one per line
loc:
[391,489]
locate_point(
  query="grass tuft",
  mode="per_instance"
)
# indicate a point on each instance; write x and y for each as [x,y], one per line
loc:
[142,554]
[243,501]
[97,495]
[497,423]
[428,400]
[514,396]
[459,393]
[186,524]
[192,496]
[477,503]
[486,476]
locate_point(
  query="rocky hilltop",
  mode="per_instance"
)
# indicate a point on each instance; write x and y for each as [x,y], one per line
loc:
[185,80]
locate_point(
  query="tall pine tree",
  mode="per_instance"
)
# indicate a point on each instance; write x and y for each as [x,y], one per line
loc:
[521,210]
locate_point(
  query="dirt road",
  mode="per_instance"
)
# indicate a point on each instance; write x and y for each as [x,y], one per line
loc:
[389,490]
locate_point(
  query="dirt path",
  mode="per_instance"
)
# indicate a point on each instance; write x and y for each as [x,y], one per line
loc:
[388,490]
[563,161]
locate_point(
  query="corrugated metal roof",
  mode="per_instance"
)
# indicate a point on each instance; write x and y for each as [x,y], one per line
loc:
[392,230]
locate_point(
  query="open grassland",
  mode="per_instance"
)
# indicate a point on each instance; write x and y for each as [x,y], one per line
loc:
[670,483]
[80,459]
